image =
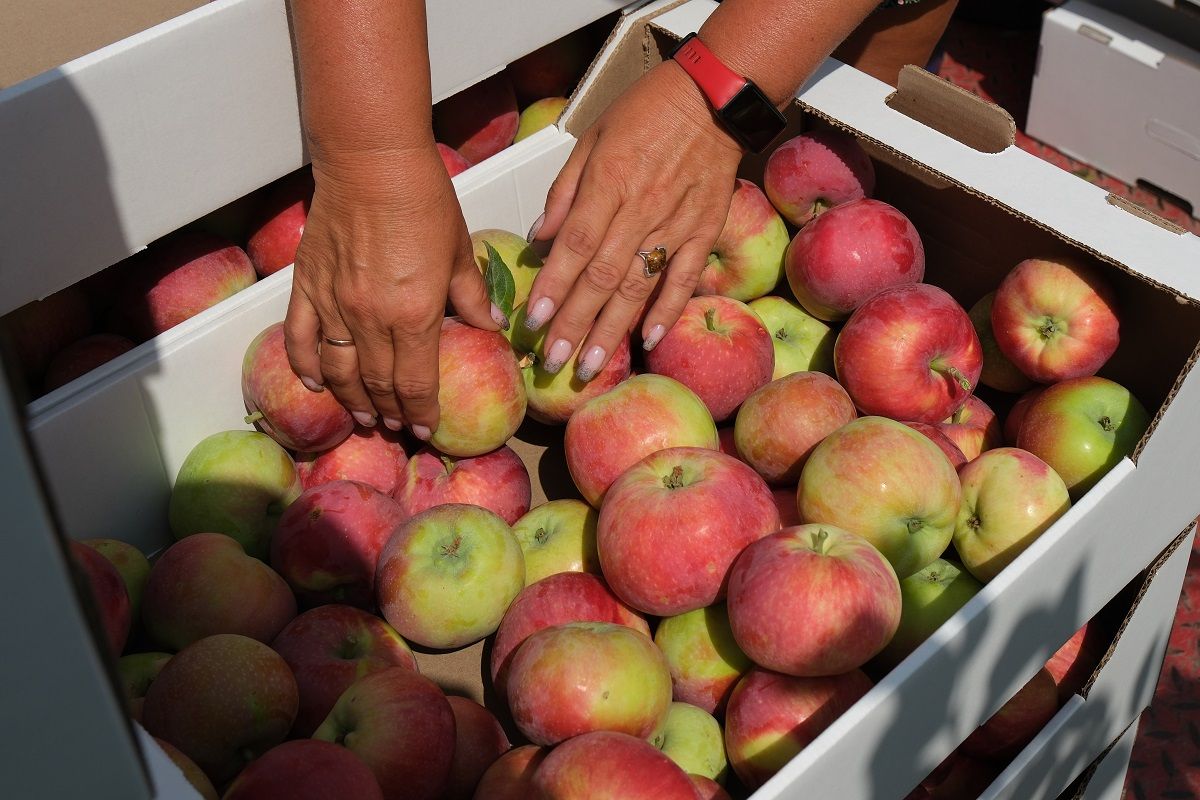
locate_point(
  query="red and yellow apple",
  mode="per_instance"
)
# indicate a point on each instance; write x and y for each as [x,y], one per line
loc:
[537,115]
[109,597]
[279,224]
[998,372]
[929,597]
[136,672]
[305,769]
[374,456]
[802,342]
[82,356]
[815,171]
[1018,720]
[510,777]
[558,536]
[974,428]
[132,565]
[692,738]
[454,163]
[479,121]
[497,481]
[746,261]
[608,765]
[704,658]
[935,434]
[518,255]
[479,741]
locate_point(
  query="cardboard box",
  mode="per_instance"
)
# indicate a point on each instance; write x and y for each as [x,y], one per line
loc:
[1175,19]
[1117,95]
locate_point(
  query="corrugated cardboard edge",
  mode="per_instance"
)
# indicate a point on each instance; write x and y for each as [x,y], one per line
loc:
[1141,211]
[952,110]
[1079,786]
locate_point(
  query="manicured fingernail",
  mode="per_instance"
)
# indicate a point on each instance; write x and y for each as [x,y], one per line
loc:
[364,419]
[422,432]
[538,315]
[393,424]
[654,337]
[499,318]
[589,365]
[310,384]
[535,227]
[557,355]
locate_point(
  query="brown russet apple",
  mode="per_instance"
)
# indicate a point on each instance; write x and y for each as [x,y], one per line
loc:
[497,481]
[305,769]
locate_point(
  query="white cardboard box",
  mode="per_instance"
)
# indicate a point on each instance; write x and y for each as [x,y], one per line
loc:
[1120,97]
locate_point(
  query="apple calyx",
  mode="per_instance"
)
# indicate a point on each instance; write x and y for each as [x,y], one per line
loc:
[250,419]
[914,526]
[675,479]
[1049,328]
[954,372]
[782,334]
[348,651]
[1107,424]
[974,523]
[820,539]
[448,463]
[451,550]
[710,316]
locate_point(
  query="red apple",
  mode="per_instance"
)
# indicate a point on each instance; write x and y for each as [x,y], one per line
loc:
[934,434]
[704,659]
[812,601]
[279,224]
[974,428]
[305,769]
[813,172]
[402,726]
[1016,415]
[1073,664]
[39,330]
[453,162]
[708,789]
[83,356]
[569,679]
[223,701]
[479,121]
[556,600]
[478,742]
[785,502]
[132,566]
[497,481]
[553,69]
[772,717]
[109,597]
[780,424]
[205,584]
[746,261]
[719,349]
[330,647]
[510,777]
[374,456]
[328,542]
[850,253]
[721,503]
[282,406]
[640,416]
[192,773]
[606,765]
[726,443]
[1018,720]
[998,372]
[909,353]
[1056,319]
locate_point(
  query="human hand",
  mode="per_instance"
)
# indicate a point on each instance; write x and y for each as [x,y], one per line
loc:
[655,169]
[384,246]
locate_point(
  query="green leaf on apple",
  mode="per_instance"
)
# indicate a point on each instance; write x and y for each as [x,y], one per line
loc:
[501,288]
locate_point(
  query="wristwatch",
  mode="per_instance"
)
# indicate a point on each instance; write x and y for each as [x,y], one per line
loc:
[747,113]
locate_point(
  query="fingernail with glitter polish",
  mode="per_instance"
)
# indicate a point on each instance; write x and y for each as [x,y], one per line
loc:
[499,318]
[538,315]
[393,424]
[654,337]
[557,355]
[422,432]
[310,384]
[535,227]
[589,365]
[364,419]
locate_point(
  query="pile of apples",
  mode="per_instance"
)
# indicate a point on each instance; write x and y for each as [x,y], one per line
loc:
[712,599]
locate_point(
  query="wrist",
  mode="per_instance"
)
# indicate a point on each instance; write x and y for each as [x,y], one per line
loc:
[694,105]
[381,175]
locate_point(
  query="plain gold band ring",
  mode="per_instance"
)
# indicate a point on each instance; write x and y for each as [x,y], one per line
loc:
[337,342]
[653,261]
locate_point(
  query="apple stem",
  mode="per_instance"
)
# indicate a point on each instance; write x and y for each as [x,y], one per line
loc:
[452,548]
[955,373]
[253,418]
[1107,423]
[819,540]
[448,462]
[675,479]
[710,319]
[528,360]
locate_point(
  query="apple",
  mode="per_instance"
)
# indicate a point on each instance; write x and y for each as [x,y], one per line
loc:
[704,659]
[692,738]
[132,566]
[402,726]
[305,769]
[479,121]
[109,597]
[1056,319]
[480,390]
[510,777]
[553,69]
[719,349]
[1009,497]
[497,481]
[175,279]
[136,672]
[516,253]
[719,502]
[935,434]
[577,677]
[849,254]
[236,483]
[556,600]
[328,542]
[815,171]
[974,428]
[802,342]
[887,483]
[998,372]
[83,356]
[286,410]
[1073,664]
[959,777]
[374,456]
[1018,720]
[555,396]
[558,536]
[1082,427]
[478,742]
[609,765]
[40,329]
[812,601]
[454,163]
[447,575]
[772,717]
[727,444]
[780,424]
[637,417]
[191,773]
[1016,414]
[539,114]
[330,647]
[708,789]
[929,597]
[223,701]
[279,223]
[206,584]
[909,353]
[746,261]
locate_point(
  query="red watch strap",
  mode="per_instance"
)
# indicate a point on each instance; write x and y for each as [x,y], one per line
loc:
[718,82]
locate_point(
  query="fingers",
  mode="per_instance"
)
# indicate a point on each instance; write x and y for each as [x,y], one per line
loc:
[339,366]
[468,295]
[679,281]
[301,336]
[415,372]
[376,362]
[562,193]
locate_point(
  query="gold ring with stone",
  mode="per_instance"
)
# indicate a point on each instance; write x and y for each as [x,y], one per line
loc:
[337,342]
[653,261]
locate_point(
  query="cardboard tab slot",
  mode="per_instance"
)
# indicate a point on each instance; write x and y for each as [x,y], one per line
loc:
[950,110]
[1142,212]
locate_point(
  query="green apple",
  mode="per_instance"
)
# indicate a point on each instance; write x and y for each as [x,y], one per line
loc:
[539,114]
[133,566]
[692,738]
[704,659]
[518,256]
[236,483]
[802,342]
[136,672]
[928,598]
[558,536]
[747,259]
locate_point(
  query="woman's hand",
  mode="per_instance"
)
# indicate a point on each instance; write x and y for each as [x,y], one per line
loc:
[655,169]
[384,246]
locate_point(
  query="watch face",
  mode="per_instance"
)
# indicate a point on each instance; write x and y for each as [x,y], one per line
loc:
[753,118]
